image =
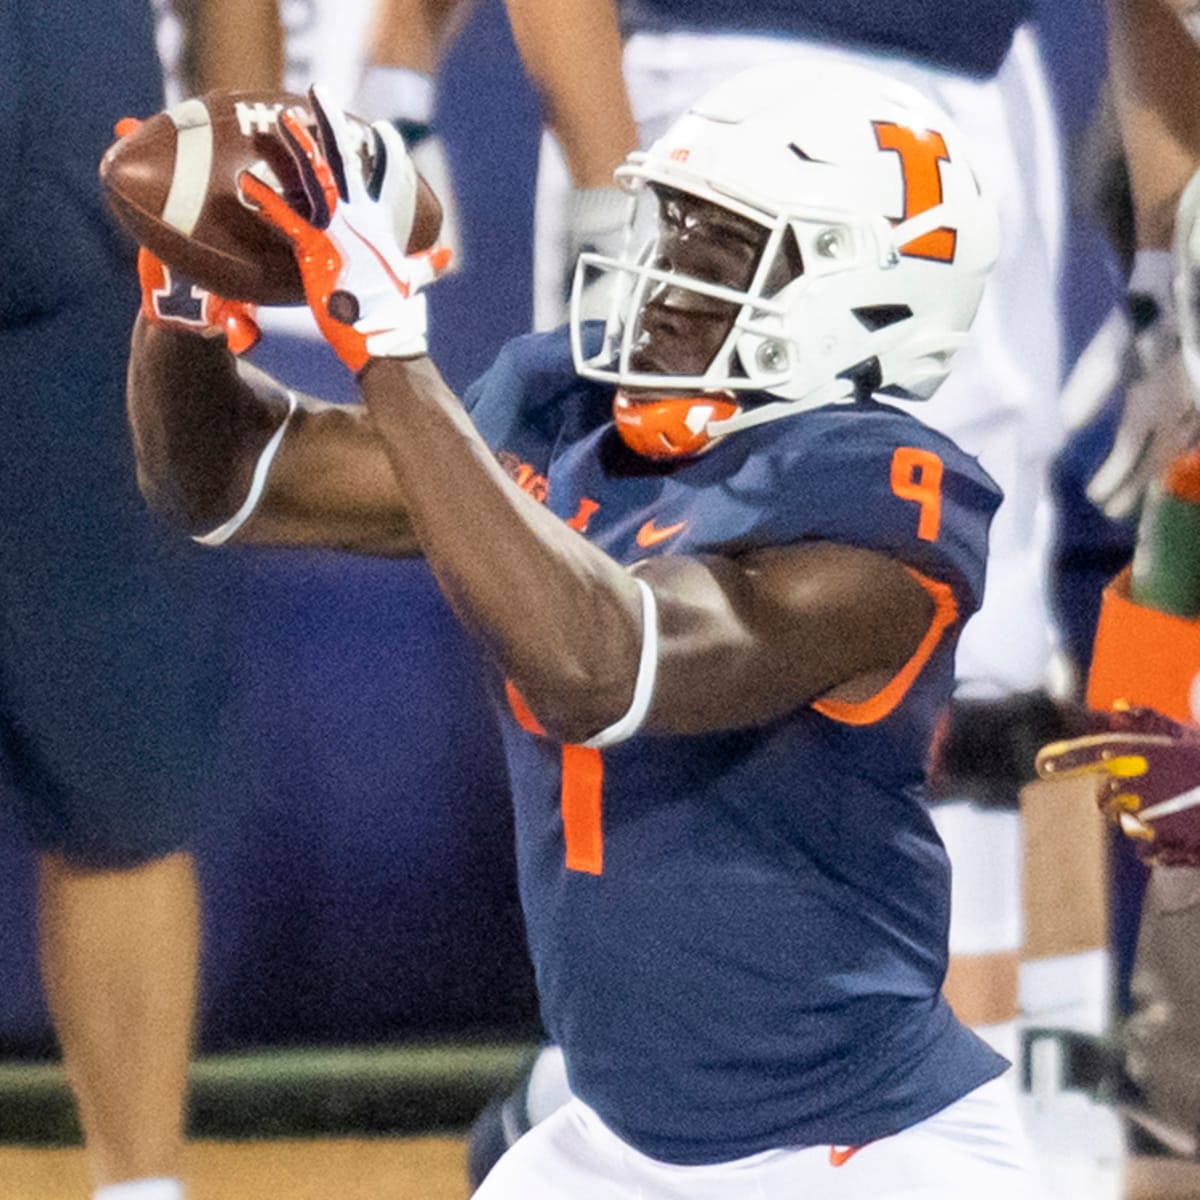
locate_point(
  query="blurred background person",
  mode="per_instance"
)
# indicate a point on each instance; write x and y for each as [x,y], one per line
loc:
[112,650]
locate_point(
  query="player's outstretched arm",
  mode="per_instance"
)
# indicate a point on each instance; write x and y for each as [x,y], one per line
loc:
[725,642]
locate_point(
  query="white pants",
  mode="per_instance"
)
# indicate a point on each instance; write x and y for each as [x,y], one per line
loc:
[974,1148]
[1000,402]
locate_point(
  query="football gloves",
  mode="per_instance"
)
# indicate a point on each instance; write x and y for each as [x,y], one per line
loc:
[1137,352]
[175,302]
[364,291]
[405,98]
[1159,418]
[1147,769]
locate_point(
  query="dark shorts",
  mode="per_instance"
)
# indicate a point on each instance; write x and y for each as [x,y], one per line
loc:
[112,647]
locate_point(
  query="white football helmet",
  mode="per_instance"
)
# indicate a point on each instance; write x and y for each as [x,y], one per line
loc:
[871,183]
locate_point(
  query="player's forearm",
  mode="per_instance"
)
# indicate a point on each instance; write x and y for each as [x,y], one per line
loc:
[415,34]
[234,44]
[331,485]
[571,50]
[563,619]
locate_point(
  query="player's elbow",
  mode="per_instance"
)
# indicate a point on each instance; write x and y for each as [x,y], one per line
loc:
[171,490]
[572,708]
[194,457]
[597,687]
[170,504]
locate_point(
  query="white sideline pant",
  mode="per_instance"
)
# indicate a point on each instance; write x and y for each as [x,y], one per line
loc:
[974,1148]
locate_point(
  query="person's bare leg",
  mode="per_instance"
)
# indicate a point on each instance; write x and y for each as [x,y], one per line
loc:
[119,954]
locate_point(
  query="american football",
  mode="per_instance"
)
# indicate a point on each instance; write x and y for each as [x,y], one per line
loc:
[172,183]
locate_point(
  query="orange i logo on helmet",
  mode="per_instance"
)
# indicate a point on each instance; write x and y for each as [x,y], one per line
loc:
[920,154]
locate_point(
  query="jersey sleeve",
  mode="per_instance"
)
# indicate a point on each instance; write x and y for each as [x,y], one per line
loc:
[883,481]
[496,402]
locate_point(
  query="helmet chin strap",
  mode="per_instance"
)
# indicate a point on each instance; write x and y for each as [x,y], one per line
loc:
[836,391]
[670,427]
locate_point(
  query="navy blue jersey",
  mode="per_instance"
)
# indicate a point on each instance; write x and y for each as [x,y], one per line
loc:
[970,36]
[740,938]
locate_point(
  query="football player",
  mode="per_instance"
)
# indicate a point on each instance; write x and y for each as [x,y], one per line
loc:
[720,580]
[986,66]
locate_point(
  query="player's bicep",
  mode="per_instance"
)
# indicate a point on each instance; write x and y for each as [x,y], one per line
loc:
[743,640]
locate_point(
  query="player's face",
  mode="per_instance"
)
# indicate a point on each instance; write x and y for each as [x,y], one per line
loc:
[680,329]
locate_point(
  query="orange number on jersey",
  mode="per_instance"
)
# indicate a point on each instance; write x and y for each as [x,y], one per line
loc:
[917,476]
[582,791]
[919,154]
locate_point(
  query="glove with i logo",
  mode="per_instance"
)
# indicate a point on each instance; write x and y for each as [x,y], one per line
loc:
[175,302]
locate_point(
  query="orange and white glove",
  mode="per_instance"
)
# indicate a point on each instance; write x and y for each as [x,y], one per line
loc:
[364,291]
[405,98]
[174,301]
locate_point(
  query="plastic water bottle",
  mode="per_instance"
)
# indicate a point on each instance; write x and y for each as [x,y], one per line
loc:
[1166,558]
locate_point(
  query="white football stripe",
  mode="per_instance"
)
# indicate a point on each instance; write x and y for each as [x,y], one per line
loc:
[193,165]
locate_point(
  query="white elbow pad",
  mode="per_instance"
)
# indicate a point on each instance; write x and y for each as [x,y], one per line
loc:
[643,689]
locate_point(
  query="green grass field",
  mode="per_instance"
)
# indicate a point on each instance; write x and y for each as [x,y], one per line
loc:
[392,1090]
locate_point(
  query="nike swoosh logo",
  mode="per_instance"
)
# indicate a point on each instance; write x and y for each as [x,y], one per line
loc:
[839,1156]
[651,535]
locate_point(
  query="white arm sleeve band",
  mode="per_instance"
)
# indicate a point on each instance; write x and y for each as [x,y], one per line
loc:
[258,483]
[643,689]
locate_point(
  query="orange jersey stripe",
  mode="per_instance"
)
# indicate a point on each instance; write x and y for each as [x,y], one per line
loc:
[521,710]
[875,708]
[582,790]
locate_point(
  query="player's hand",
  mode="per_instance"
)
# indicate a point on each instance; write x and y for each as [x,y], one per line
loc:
[174,301]
[404,97]
[364,291]
[1158,420]
[1148,770]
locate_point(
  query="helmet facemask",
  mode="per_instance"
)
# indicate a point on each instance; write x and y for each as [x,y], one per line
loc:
[678,312]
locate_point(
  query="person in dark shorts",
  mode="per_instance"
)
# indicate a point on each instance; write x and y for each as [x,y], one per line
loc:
[111,671]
